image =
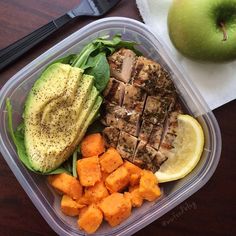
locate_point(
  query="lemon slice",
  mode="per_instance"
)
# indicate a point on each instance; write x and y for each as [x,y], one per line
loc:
[188,147]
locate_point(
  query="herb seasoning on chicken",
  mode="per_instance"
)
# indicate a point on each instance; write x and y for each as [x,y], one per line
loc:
[140,110]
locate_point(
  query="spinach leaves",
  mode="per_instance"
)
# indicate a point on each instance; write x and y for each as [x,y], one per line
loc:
[93,58]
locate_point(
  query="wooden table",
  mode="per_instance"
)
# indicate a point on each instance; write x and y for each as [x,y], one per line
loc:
[210,211]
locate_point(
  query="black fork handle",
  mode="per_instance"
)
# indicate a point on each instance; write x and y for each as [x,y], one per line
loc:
[17,49]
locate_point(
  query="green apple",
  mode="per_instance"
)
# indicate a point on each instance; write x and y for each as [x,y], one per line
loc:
[204,29]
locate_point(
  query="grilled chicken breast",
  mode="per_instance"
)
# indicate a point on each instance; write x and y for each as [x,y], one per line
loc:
[140,110]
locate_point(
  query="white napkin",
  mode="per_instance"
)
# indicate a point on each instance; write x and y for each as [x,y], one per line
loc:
[216,82]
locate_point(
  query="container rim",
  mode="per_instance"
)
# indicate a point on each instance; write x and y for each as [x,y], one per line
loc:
[203,107]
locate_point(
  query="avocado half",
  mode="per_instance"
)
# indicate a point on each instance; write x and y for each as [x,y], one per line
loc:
[58,110]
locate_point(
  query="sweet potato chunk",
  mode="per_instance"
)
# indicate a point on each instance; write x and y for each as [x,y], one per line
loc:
[66,184]
[83,201]
[90,218]
[110,160]
[116,208]
[148,187]
[69,206]
[117,180]
[136,197]
[96,193]
[128,196]
[89,171]
[134,171]
[104,176]
[134,179]
[92,145]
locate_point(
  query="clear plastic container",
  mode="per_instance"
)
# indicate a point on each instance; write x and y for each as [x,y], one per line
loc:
[41,194]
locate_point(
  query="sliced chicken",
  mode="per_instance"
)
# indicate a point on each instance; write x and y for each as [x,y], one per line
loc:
[114,91]
[168,140]
[156,108]
[127,145]
[172,119]
[121,64]
[145,130]
[164,84]
[147,157]
[145,73]
[159,159]
[111,136]
[151,109]
[151,77]
[140,112]
[134,98]
[110,119]
[121,112]
[156,136]
[121,118]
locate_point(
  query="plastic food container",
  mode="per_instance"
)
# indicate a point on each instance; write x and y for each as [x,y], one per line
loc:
[42,195]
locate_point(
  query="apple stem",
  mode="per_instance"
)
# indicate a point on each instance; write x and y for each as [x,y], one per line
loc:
[223,28]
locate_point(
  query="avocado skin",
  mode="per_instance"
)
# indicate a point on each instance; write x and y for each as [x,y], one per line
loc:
[56,114]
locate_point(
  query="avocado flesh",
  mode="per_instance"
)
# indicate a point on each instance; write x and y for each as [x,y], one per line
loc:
[53,115]
[84,116]
[90,118]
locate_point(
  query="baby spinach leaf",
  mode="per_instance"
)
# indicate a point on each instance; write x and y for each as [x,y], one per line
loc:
[17,138]
[81,59]
[59,170]
[93,57]
[100,70]
[109,42]
[95,127]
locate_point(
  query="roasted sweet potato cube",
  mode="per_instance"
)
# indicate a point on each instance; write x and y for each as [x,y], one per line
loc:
[96,193]
[148,186]
[69,206]
[83,201]
[104,176]
[117,180]
[90,218]
[110,160]
[75,189]
[127,196]
[116,208]
[89,171]
[136,197]
[66,184]
[134,171]
[134,179]
[92,145]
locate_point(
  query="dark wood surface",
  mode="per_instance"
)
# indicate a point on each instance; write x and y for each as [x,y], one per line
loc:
[210,211]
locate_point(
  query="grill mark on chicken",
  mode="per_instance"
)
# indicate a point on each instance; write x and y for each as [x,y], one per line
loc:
[127,145]
[156,136]
[145,130]
[143,121]
[114,91]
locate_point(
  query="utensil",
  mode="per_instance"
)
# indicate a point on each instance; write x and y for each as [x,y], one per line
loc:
[85,8]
